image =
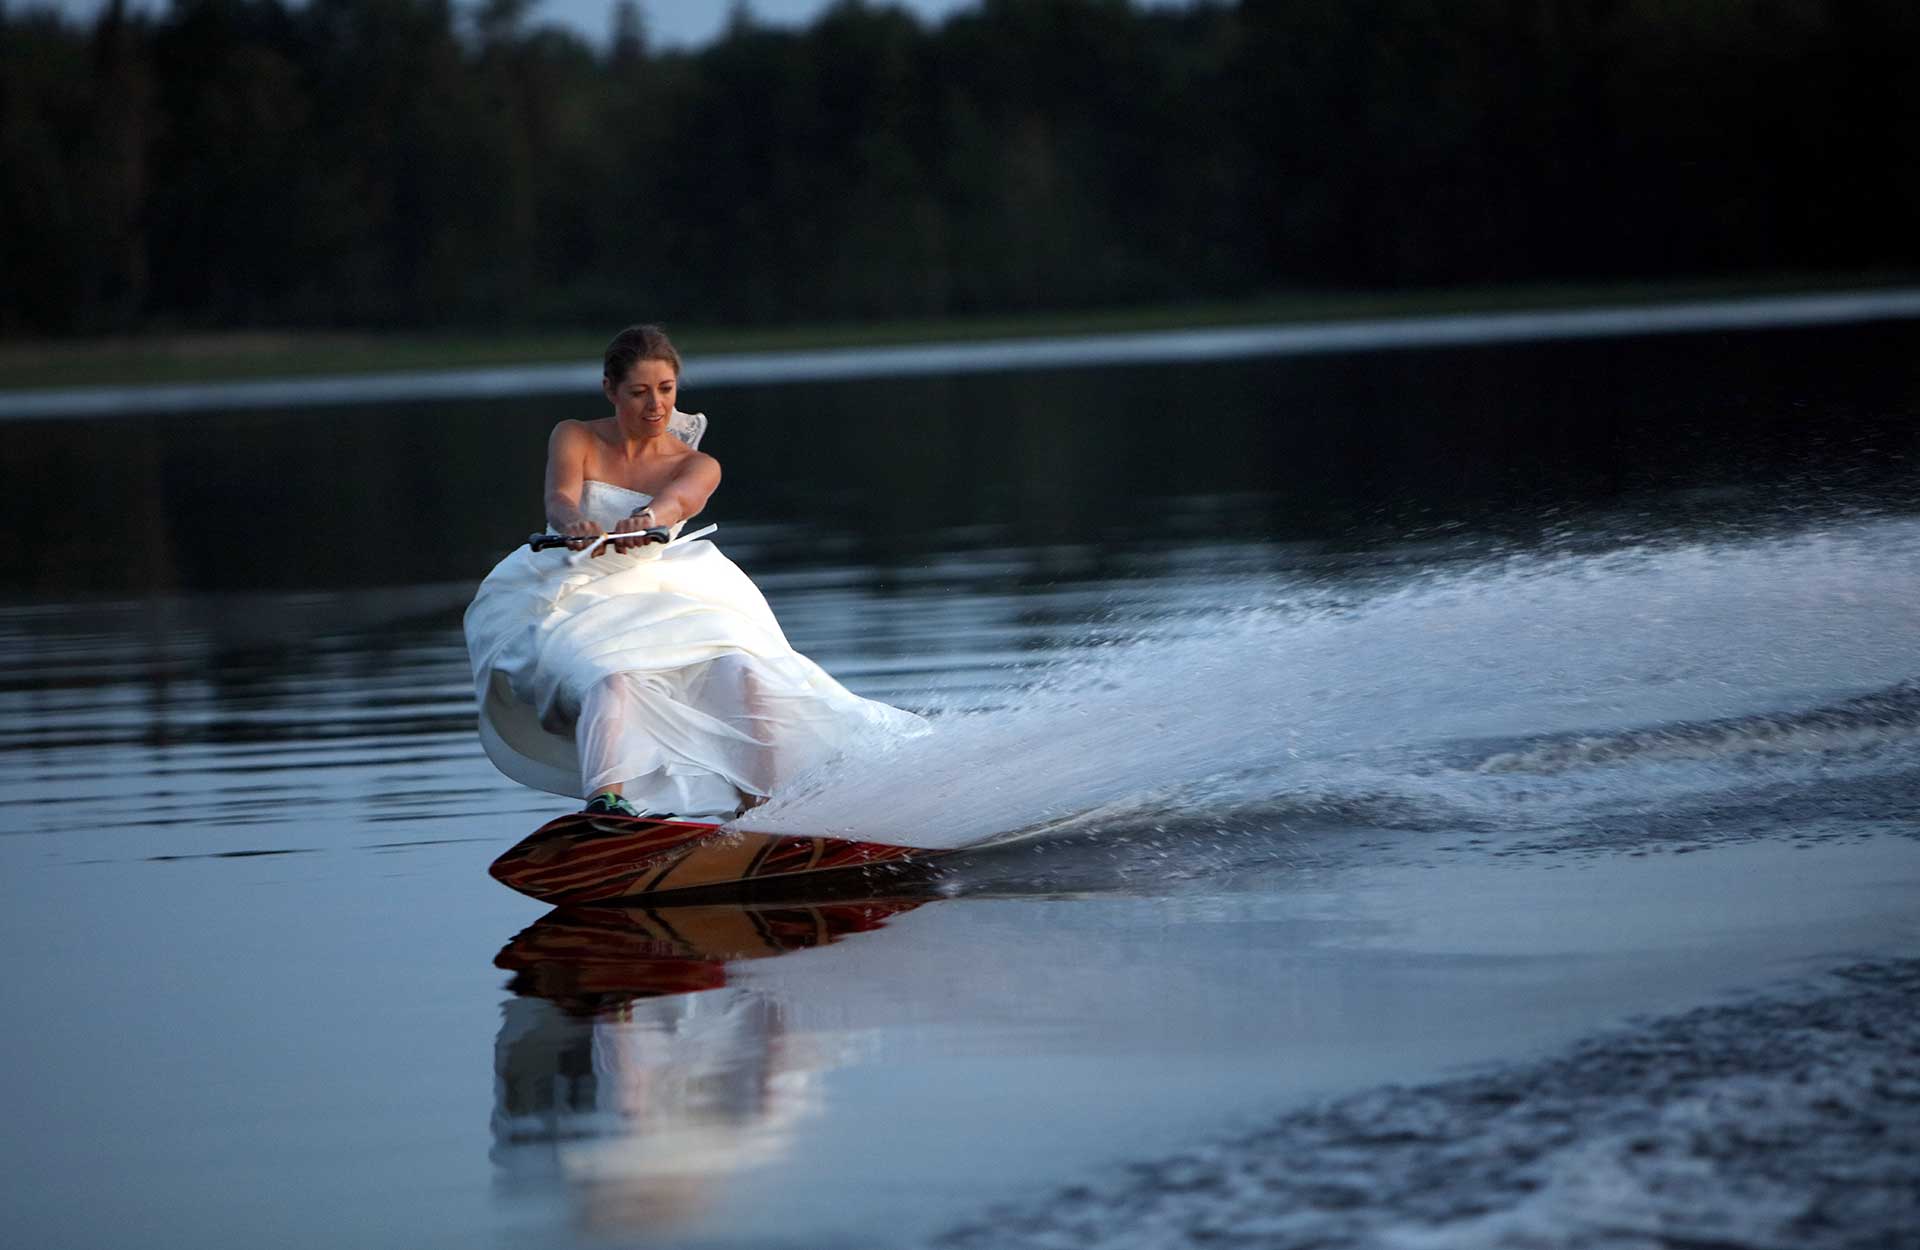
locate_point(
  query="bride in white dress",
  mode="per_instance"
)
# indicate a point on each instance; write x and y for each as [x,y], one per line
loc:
[650,679]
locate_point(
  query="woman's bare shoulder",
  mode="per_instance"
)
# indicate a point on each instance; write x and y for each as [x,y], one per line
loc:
[701,464]
[568,430]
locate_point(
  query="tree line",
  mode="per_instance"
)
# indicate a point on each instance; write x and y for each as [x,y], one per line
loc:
[258,163]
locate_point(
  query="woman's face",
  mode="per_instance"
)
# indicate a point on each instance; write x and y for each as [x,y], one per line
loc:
[643,400]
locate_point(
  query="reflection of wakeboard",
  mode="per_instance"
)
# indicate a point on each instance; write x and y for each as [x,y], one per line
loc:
[592,958]
[583,858]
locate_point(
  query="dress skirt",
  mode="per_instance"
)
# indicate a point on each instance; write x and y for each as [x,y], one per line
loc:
[662,670]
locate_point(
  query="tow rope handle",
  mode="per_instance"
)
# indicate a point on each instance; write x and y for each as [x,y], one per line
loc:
[540,542]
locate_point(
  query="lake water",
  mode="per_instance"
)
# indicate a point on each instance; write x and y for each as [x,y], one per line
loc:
[1396,717]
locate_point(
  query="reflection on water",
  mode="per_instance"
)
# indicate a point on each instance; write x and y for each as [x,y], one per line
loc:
[1437,624]
[592,961]
[630,1071]
[644,1114]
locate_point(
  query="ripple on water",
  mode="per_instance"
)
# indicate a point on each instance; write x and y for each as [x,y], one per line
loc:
[1791,1121]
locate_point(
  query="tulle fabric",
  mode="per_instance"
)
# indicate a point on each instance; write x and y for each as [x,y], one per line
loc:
[662,670]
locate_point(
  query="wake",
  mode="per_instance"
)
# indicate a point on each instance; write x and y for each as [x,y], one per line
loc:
[1560,678]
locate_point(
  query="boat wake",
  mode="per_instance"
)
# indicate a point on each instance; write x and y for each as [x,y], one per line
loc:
[1525,695]
[1851,728]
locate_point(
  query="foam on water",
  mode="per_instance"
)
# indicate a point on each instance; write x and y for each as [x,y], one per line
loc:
[1561,678]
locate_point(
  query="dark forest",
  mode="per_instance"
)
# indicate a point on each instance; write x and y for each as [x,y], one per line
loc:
[253,163]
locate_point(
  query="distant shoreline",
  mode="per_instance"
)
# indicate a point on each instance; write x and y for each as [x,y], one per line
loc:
[107,376]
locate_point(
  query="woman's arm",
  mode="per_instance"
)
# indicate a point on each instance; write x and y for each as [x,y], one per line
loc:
[682,497]
[567,469]
[566,472]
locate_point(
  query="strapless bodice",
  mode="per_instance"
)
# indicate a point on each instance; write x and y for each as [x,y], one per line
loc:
[606,505]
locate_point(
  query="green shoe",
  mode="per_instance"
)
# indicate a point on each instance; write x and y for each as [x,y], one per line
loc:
[611,804]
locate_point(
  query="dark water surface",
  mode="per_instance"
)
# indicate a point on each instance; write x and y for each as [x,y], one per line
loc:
[1392,716]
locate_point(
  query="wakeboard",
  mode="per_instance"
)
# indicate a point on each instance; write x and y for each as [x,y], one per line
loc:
[625,860]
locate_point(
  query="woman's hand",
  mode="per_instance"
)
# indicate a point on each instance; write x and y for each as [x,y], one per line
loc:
[580,534]
[636,524]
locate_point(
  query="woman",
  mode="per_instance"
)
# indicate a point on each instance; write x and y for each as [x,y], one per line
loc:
[647,679]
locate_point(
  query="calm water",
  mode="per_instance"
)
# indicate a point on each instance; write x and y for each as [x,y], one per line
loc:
[1389,713]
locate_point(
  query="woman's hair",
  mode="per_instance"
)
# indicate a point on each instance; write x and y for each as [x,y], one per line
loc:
[639,343]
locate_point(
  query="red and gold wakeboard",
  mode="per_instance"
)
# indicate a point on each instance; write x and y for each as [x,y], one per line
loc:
[586,858]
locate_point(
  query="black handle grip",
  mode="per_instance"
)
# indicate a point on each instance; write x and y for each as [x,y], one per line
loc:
[540,542]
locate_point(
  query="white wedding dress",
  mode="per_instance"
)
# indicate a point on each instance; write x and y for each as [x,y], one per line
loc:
[661,669]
